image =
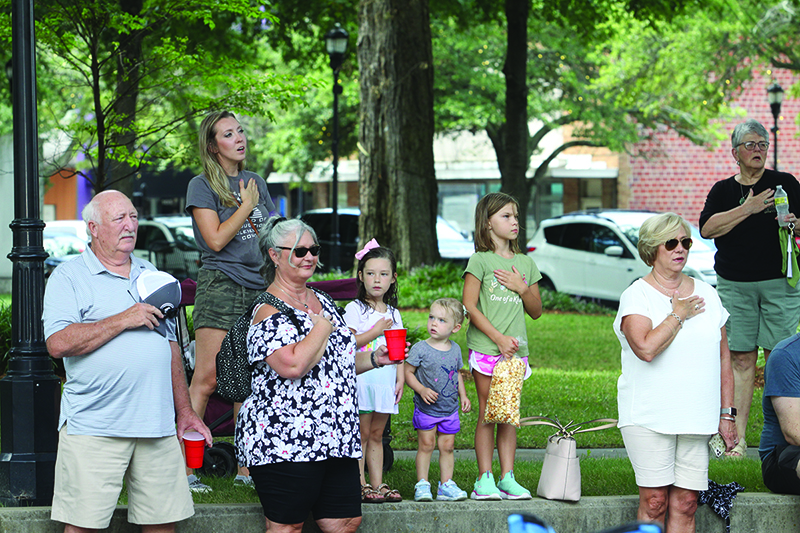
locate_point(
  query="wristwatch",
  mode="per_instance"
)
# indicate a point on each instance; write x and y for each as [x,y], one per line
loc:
[728,411]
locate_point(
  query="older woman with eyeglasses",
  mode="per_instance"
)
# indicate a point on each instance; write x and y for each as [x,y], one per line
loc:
[740,216]
[676,376]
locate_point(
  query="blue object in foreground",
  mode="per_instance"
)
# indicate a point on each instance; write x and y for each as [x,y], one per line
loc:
[519,523]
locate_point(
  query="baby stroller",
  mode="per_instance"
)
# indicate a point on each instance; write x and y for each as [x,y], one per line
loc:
[220,459]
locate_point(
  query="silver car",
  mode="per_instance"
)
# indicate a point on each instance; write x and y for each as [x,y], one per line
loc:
[593,253]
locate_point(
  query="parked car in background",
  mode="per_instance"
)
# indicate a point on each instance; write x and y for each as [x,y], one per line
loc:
[61,246]
[593,253]
[168,242]
[453,245]
[75,227]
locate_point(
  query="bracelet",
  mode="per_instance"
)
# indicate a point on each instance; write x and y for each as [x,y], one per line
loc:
[680,322]
[728,418]
[372,359]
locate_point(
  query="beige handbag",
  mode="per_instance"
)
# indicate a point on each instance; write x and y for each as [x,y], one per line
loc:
[561,471]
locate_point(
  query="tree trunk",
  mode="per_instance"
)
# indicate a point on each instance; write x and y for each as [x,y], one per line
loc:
[398,192]
[512,137]
[129,59]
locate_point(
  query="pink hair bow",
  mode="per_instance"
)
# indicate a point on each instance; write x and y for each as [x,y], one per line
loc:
[367,247]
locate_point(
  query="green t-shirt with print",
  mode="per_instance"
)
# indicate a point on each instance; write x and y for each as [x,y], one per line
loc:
[501,306]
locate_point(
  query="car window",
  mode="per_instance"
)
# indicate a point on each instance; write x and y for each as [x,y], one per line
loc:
[577,236]
[321,225]
[183,233]
[553,234]
[147,235]
[348,229]
[602,238]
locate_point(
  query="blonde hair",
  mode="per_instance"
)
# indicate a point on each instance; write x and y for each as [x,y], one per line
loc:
[452,307]
[655,231]
[486,208]
[213,171]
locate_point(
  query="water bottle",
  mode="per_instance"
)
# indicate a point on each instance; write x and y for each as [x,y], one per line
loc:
[781,205]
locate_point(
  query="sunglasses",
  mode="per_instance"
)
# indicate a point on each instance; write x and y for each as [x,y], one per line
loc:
[671,244]
[300,252]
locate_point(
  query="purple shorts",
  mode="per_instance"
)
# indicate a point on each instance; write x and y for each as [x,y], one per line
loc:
[484,364]
[447,425]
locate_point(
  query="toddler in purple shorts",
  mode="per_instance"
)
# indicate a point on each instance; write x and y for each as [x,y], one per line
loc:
[432,371]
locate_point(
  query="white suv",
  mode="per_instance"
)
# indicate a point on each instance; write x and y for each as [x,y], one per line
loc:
[593,253]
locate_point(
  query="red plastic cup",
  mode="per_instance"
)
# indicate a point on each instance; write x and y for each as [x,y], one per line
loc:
[396,343]
[194,445]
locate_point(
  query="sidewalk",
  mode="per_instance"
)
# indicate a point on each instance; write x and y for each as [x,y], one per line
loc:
[538,455]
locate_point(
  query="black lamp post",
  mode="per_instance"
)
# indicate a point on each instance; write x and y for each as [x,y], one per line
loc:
[29,394]
[336,45]
[775,97]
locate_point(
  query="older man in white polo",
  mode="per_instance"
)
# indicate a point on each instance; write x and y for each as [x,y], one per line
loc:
[125,398]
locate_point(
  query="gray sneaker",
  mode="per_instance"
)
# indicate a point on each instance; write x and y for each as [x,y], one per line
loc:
[196,486]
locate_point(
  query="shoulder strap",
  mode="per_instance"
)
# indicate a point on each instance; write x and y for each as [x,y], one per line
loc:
[270,299]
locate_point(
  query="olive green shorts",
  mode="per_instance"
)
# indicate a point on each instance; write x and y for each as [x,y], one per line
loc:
[220,301]
[763,313]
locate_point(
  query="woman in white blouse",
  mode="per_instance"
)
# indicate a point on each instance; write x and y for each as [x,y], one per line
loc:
[676,387]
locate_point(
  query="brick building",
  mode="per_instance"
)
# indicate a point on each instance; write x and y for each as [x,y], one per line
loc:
[680,178]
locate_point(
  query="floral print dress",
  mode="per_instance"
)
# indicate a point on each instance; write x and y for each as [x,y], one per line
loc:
[299,420]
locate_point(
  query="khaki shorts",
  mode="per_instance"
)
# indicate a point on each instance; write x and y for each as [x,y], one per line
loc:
[763,313]
[661,460]
[220,301]
[89,474]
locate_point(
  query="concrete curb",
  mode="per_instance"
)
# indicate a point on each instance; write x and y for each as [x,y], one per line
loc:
[752,513]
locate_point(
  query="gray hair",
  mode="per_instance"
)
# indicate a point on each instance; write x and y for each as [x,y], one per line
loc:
[273,233]
[655,231]
[748,126]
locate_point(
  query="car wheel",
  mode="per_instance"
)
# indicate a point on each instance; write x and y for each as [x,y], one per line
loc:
[545,283]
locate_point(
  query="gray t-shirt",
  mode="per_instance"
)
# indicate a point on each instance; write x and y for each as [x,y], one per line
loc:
[240,259]
[437,370]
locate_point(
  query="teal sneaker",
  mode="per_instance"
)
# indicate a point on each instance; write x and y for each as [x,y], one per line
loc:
[485,489]
[449,492]
[511,490]
[422,491]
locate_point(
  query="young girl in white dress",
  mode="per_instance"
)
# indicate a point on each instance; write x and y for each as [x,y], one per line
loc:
[379,391]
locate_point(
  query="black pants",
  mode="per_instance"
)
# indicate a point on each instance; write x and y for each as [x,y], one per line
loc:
[779,470]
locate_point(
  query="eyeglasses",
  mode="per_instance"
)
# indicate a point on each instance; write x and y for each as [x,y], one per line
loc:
[750,146]
[671,244]
[301,252]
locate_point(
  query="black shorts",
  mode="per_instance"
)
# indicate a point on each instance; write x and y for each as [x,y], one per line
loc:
[779,470]
[290,491]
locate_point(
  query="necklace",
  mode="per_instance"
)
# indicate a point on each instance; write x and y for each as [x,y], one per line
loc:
[744,196]
[666,290]
[295,299]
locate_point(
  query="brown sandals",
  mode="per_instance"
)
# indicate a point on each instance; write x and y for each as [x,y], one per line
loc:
[391,495]
[370,495]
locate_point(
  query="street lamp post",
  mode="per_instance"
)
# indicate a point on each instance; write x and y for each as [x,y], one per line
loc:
[29,394]
[336,45]
[775,97]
